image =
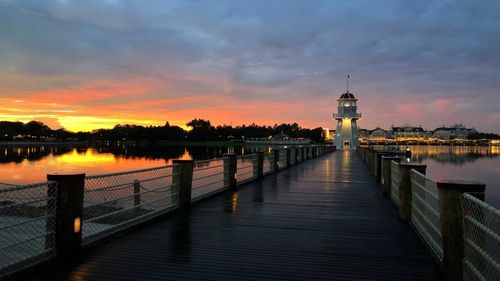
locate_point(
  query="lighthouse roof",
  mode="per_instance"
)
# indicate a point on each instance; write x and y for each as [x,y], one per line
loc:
[347,95]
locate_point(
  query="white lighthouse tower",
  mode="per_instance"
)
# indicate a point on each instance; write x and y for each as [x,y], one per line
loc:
[346,136]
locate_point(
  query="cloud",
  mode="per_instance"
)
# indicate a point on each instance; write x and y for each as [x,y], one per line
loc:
[119,58]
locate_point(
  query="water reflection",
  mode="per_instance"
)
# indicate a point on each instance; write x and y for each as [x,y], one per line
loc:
[475,163]
[28,164]
[454,155]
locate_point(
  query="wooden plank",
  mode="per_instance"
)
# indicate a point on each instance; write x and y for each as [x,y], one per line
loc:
[323,219]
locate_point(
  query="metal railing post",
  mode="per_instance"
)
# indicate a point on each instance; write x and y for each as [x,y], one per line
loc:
[183,179]
[452,223]
[405,195]
[137,193]
[230,162]
[69,213]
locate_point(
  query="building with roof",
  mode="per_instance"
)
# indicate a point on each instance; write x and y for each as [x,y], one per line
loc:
[457,131]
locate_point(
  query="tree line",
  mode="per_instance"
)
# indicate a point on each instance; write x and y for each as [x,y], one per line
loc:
[202,130]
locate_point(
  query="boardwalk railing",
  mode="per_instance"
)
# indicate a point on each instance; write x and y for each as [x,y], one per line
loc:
[482,240]
[460,230]
[56,218]
[113,202]
[27,224]
[425,214]
[395,182]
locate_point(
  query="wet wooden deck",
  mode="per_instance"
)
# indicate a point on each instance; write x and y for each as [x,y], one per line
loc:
[323,219]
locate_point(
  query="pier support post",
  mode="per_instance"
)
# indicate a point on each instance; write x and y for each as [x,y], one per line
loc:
[452,223]
[260,164]
[386,174]
[276,160]
[230,169]
[288,157]
[69,213]
[183,179]
[405,188]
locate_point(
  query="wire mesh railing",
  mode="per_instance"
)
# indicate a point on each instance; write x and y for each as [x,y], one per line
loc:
[209,177]
[246,168]
[113,202]
[425,213]
[481,224]
[27,225]
[268,165]
[395,182]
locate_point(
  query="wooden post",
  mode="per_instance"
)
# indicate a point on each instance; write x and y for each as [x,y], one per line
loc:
[260,164]
[69,213]
[137,193]
[452,223]
[378,166]
[230,163]
[276,160]
[371,160]
[405,188]
[386,174]
[288,157]
[183,179]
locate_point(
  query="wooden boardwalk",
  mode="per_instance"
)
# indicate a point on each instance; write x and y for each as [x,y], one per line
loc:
[323,219]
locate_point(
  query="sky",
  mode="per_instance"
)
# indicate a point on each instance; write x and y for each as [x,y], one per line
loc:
[89,64]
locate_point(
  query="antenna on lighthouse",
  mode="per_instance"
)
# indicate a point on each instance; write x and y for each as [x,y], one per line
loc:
[348,82]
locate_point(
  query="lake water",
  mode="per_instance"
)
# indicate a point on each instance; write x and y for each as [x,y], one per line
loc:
[20,165]
[473,163]
[25,164]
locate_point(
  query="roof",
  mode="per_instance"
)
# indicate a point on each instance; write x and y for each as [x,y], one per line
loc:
[407,129]
[347,95]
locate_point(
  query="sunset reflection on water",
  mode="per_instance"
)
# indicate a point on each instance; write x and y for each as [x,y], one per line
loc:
[88,161]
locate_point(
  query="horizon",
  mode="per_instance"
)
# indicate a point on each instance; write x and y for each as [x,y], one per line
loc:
[83,65]
[187,128]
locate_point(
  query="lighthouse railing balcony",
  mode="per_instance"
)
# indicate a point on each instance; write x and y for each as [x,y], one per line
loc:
[346,115]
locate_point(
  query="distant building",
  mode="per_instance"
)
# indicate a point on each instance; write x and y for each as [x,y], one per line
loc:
[379,134]
[408,133]
[457,131]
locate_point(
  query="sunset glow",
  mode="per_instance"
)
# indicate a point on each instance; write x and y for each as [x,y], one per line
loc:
[94,65]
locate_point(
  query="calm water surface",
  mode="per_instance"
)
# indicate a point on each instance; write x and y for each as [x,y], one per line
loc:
[24,164]
[19,165]
[473,163]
